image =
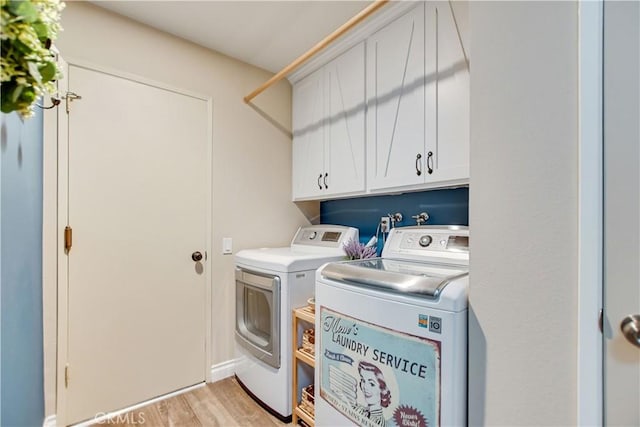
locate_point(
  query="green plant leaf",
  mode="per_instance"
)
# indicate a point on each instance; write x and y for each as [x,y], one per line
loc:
[24,9]
[27,96]
[41,30]
[48,71]
[16,93]
[35,73]
[7,105]
[27,57]
[21,47]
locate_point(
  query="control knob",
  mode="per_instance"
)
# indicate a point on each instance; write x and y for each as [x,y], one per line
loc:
[425,241]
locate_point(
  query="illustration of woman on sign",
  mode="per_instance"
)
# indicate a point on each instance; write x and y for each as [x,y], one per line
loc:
[376,393]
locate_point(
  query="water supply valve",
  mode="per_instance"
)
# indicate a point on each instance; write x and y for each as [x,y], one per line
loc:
[421,218]
[384,224]
[393,218]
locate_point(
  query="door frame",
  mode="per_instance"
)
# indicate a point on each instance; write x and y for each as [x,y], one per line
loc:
[589,368]
[55,266]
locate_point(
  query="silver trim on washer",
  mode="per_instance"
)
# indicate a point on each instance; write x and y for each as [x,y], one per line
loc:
[425,286]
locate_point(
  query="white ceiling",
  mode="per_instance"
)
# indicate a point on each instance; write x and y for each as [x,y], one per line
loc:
[267,34]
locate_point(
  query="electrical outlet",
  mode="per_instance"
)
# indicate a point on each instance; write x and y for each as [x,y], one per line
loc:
[384,224]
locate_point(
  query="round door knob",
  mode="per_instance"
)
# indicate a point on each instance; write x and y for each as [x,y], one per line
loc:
[196,256]
[630,327]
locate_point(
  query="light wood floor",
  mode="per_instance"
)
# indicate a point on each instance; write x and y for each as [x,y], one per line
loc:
[222,404]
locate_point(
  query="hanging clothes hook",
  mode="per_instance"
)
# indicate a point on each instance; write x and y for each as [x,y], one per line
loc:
[55,101]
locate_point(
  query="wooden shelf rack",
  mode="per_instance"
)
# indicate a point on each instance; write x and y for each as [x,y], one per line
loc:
[304,314]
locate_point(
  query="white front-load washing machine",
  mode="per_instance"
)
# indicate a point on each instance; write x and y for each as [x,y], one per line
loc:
[391,333]
[270,283]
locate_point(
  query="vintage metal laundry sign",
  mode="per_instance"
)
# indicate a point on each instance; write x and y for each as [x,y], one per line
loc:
[377,376]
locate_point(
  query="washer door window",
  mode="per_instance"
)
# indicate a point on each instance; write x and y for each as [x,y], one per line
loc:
[258,315]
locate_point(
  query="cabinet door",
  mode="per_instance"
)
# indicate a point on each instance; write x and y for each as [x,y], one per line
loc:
[396,103]
[345,126]
[449,140]
[308,144]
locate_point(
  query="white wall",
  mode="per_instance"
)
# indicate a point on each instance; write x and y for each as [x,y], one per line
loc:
[523,213]
[252,150]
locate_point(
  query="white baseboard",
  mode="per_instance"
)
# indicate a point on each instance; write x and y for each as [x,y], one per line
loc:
[122,415]
[218,372]
[222,370]
[50,421]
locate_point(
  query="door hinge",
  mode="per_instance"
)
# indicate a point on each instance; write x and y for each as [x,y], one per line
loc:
[70,97]
[68,238]
[66,376]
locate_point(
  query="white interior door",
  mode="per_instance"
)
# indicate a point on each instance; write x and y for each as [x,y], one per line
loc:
[138,207]
[621,211]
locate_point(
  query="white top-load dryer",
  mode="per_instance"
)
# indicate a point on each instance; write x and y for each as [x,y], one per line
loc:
[270,283]
[391,333]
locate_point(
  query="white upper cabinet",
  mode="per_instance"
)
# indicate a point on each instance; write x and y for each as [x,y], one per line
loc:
[396,102]
[345,133]
[412,130]
[418,99]
[448,93]
[308,136]
[329,129]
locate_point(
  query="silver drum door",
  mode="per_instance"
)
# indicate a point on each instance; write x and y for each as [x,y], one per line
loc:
[258,315]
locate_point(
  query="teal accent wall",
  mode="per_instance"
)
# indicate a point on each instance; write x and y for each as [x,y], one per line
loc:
[445,207]
[21,347]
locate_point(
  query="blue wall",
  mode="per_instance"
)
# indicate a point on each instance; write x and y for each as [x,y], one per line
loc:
[21,348]
[450,207]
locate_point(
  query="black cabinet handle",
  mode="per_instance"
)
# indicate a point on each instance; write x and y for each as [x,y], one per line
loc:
[326,187]
[319,178]
[430,162]
[418,165]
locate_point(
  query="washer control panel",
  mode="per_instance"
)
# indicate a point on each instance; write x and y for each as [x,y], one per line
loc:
[439,242]
[433,241]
